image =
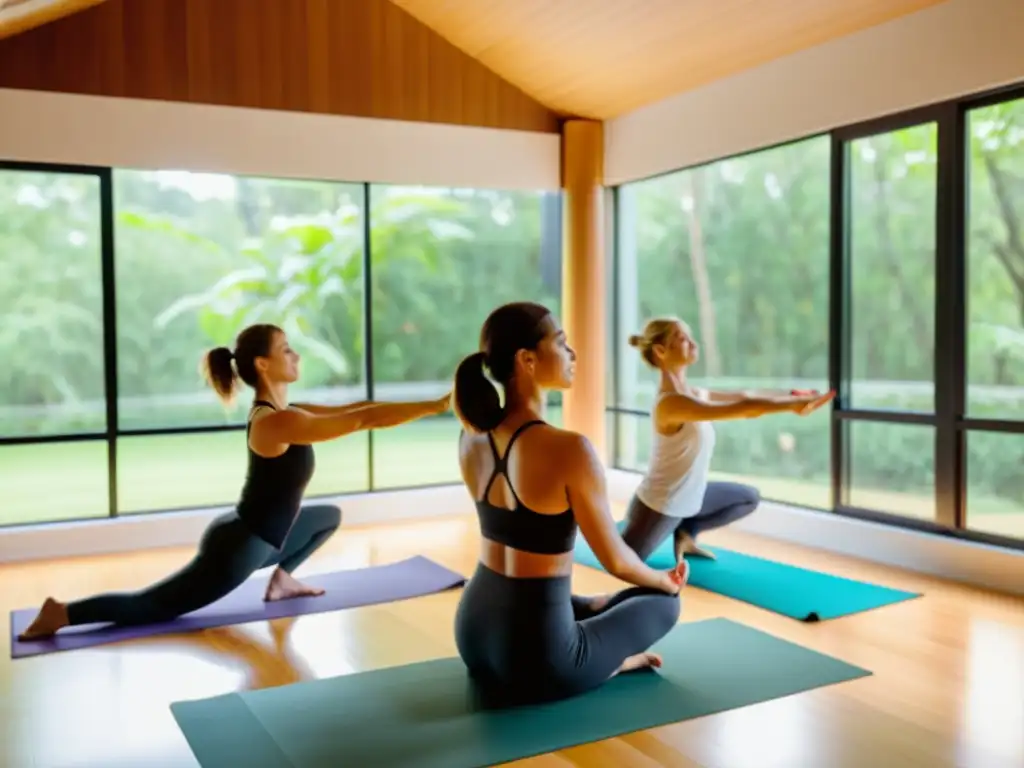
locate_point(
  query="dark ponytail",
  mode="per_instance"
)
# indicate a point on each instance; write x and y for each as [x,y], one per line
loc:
[220,373]
[508,329]
[223,369]
[476,401]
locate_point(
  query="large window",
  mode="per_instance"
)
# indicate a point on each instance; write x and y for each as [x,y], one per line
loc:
[198,257]
[117,281]
[995,319]
[442,259]
[739,249]
[888,312]
[891,268]
[51,341]
[885,260]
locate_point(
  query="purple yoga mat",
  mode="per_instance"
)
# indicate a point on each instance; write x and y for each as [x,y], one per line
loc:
[414,577]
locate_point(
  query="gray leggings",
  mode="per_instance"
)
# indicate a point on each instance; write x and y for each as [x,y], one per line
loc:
[229,553]
[724,503]
[528,640]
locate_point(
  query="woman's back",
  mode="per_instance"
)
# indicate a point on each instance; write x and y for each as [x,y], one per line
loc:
[518,465]
[513,474]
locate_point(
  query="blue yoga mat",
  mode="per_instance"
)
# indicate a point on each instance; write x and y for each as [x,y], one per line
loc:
[429,715]
[795,592]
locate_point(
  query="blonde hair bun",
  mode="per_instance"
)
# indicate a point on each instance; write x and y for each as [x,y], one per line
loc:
[635,340]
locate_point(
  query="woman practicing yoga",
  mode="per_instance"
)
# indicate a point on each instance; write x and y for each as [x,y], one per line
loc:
[519,630]
[675,496]
[269,525]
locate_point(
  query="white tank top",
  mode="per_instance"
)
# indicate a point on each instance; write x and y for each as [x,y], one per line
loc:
[677,474]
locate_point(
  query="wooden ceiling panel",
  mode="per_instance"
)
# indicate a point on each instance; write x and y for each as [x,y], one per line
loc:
[19,15]
[602,58]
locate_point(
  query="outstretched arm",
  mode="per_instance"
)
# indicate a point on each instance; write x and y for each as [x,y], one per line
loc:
[297,427]
[331,410]
[733,396]
[677,409]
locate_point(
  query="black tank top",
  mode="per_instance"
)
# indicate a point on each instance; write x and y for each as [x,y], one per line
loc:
[273,489]
[522,528]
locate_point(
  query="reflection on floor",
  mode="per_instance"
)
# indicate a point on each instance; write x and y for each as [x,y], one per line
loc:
[947,689]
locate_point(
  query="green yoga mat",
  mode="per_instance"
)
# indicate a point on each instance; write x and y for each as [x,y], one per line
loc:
[795,592]
[427,714]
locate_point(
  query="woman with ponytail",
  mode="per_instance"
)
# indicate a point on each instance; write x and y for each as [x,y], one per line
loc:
[269,525]
[519,629]
[675,497]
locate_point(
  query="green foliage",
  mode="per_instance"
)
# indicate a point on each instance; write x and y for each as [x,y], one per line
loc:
[305,275]
[749,272]
[739,248]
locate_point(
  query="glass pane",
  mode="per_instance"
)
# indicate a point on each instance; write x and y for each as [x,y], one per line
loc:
[47,482]
[51,305]
[995,267]
[207,469]
[424,452]
[794,450]
[632,441]
[200,256]
[740,250]
[442,260]
[891,233]
[995,483]
[892,468]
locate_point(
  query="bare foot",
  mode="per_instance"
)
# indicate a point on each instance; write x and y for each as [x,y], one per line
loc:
[687,545]
[640,661]
[52,617]
[283,586]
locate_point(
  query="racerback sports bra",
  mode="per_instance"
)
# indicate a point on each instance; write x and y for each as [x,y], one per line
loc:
[272,494]
[522,528]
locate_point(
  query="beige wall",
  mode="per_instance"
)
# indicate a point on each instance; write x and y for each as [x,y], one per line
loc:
[956,48]
[36,126]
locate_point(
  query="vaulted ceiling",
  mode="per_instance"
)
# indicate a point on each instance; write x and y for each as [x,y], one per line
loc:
[602,58]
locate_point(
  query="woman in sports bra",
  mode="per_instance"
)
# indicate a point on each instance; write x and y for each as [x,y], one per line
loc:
[519,629]
[675,496]
[269,526]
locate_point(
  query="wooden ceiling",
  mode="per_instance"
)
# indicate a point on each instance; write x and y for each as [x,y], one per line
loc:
[19,15]
[602,58]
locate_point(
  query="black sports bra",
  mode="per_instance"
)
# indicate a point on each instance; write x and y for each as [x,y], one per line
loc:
[522,528]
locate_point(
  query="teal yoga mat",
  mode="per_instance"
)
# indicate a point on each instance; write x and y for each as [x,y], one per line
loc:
[795,592]
[427,715]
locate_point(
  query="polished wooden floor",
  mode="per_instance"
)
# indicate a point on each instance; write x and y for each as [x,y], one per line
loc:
[947,689]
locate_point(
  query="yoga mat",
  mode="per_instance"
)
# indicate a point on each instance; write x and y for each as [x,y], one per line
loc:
[795,592]
[414,577]
[428,714]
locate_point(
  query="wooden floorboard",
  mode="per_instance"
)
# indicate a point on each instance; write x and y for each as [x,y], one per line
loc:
[947,688]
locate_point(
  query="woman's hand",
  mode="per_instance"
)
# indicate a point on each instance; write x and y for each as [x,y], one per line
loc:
[808,402]
[442,404]
[674,579]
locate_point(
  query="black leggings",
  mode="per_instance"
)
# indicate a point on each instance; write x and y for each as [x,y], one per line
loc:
[724,503]
[228,555]
[531,640]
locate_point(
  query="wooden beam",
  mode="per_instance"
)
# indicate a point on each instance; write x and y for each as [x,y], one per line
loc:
[21,15]
[583,276]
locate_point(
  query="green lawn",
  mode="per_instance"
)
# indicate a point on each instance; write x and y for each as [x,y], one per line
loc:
[68,481]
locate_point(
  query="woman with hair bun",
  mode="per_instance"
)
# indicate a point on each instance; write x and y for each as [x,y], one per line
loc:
[269,525]
[519,629]
[675,496]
